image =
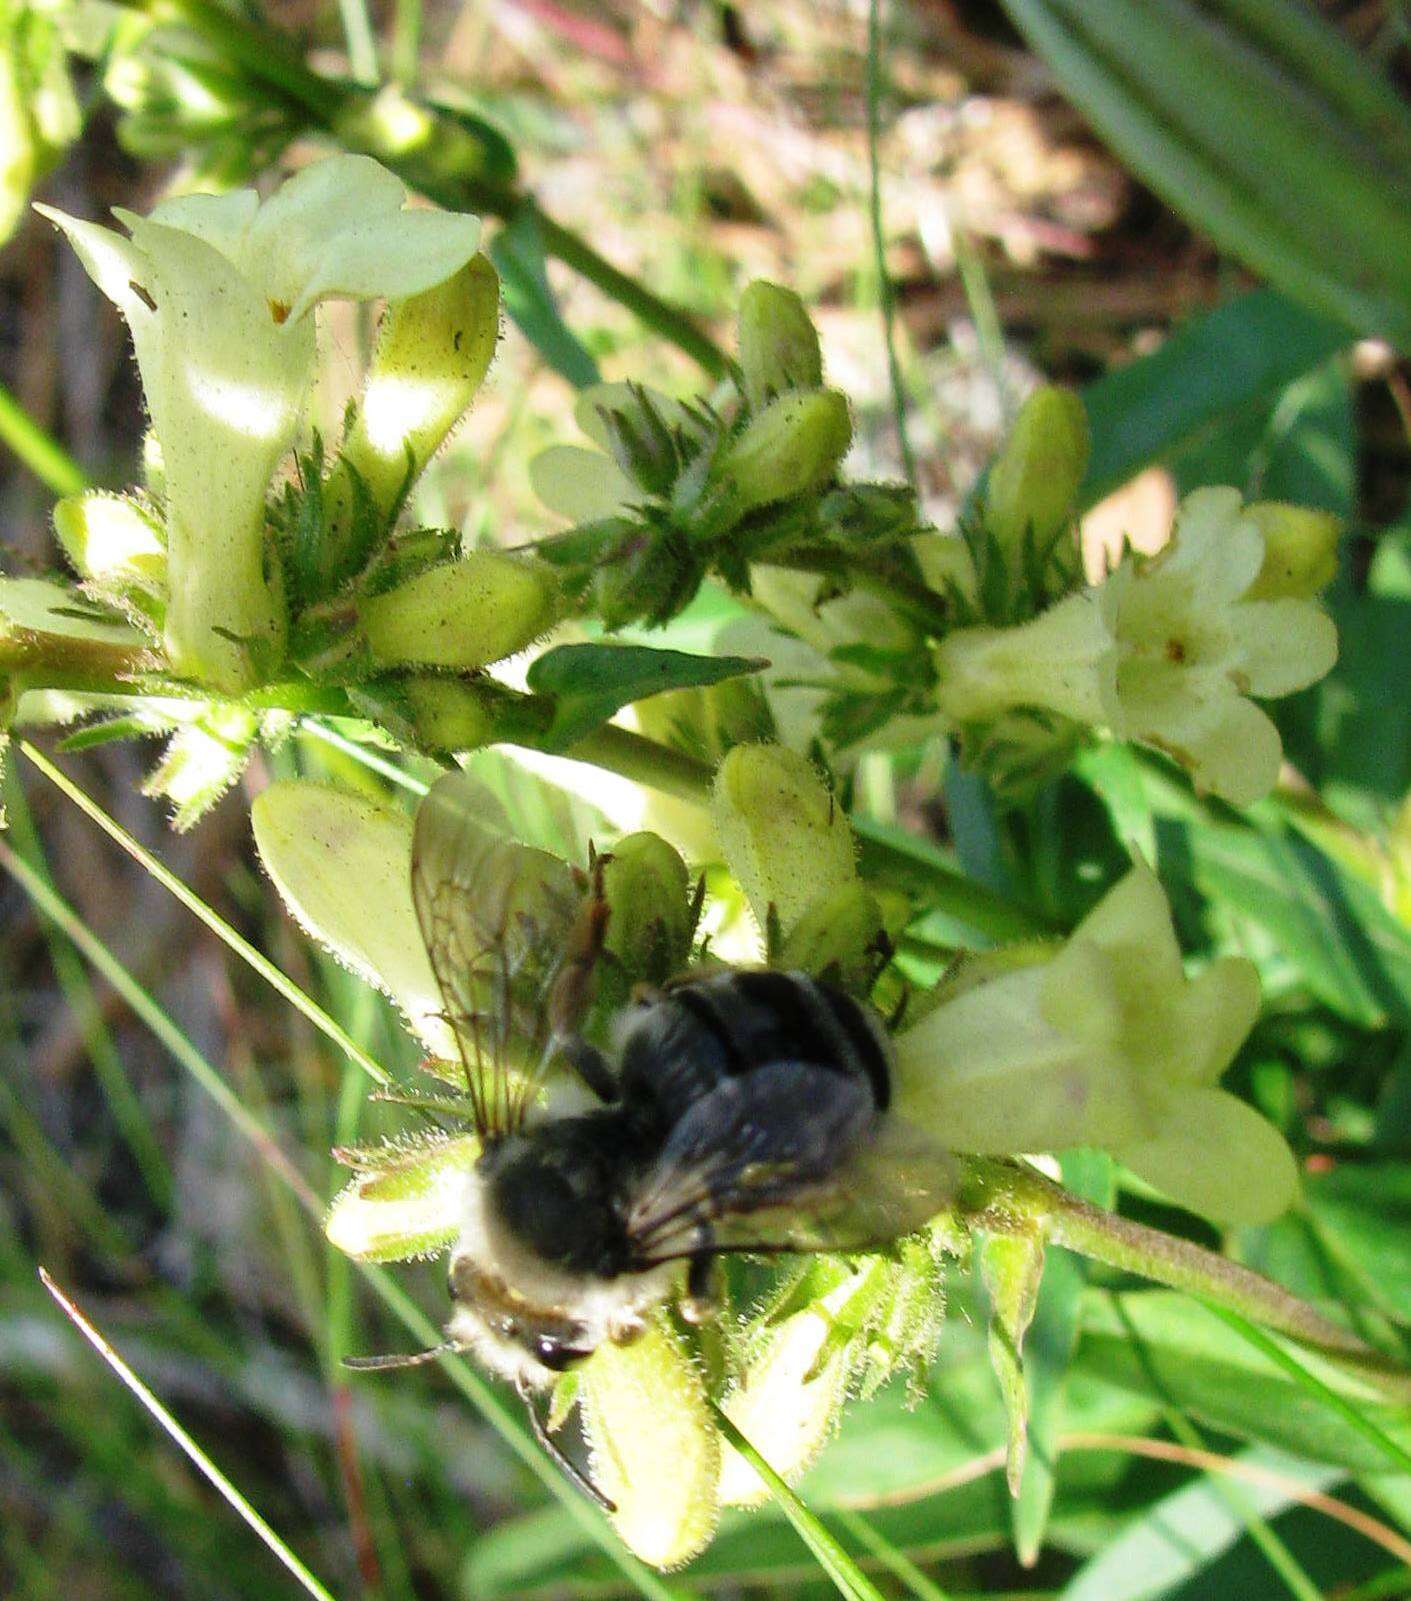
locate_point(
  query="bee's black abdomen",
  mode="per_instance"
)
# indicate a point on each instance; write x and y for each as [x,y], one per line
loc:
[703,1030]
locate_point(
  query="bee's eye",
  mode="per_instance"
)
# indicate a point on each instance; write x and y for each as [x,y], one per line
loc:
[554,1354]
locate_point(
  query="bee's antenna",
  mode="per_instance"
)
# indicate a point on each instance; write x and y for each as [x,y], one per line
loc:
[555,1451]
[400,1359]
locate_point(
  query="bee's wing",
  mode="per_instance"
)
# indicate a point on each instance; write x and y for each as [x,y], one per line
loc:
[497,918]
[792,1157]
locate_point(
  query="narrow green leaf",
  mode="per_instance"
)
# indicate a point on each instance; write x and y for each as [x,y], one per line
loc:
[1213,366]
[1048,1354]
[1184,1532]
[1357,1417]
[1164,1345]
[590,682]
[518,254]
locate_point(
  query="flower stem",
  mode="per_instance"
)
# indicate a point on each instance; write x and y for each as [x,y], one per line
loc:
[1008,1195]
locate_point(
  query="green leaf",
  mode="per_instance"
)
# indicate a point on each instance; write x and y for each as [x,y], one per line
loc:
[590,682]
[1163,1345]
[1213,366]
[518,254]
[1224,118]
[1184,1532]
[1365,1214]
[1324,921]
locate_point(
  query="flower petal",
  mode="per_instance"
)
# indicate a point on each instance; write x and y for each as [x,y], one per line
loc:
[581,484]
[1218,1157]
[1238,757]
[221,220]
[339,228]
[1285,645]
[1216,1013]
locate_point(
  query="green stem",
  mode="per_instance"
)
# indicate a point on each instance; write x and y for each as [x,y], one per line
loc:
[45,457]
[1004,1195]
[885,294]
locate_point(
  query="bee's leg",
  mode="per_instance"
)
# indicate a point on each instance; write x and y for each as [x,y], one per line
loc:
[701,1301]
[555,1453]
[590,1065]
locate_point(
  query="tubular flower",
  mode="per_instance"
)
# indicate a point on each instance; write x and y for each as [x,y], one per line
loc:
[1166,651]
[218,292]
[1107,1043]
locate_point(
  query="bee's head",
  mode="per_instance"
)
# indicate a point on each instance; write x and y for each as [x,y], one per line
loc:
[527,1314]
[511,1334]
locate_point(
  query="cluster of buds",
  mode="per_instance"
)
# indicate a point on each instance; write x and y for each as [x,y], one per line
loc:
[674,490]
[1101,1040]
[236,573]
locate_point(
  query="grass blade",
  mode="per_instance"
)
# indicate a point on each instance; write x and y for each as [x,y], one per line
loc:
[1396,1454]
[832,1558]
[193,1452]
[256,960]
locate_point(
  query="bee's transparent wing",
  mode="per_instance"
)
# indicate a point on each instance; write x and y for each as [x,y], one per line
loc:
[793,1157]
[497,918]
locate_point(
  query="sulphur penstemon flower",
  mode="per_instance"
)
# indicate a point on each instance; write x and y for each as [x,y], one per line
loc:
[219,293]
[1100,1040]
[1170,651]
[264,586]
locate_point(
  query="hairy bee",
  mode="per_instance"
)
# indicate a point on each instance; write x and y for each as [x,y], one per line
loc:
[738,1111]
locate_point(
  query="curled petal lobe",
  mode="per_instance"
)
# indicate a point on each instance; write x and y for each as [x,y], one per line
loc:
[1219,1157]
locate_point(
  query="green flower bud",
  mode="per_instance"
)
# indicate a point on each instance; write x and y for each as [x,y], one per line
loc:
[450,714]
[1034,481]
[1300,551]
[838,938]
[651,921]
[433,351]
[648,579]
[112,540]
[791,448]
[410,1200]
[461,614]
[784,837]
[655,1450]
[779,347]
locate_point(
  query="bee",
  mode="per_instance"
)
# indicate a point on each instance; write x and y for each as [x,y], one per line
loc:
[737,1111]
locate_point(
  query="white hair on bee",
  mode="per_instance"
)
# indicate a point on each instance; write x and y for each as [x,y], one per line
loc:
[487,1260]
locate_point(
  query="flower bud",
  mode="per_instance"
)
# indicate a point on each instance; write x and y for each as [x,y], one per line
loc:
[784,836]
[651,920]
[1300,551]
[791,448]
[409,1202]
[342,866]
[461,614]
[838,938]
[647,579]
[655,1450]
[450,714]
[1034,481]
[779,347]
[432,353]
[112,540]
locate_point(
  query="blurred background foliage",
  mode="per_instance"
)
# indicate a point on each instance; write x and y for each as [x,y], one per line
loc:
[1197,213]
